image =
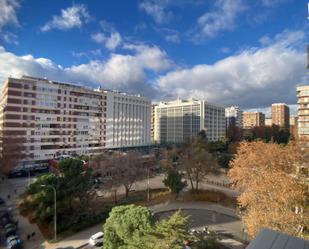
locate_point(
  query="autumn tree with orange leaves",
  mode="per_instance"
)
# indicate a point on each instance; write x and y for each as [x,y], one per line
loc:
[273,183]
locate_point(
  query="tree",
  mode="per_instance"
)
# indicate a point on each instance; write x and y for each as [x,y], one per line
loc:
[174,181]
[198,163]
[168,233]
[71,184]
[273,188]
[134,227]
[125,227]
[124,169]
[234,133]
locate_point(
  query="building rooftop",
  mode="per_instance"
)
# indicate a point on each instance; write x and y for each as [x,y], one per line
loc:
[269,239]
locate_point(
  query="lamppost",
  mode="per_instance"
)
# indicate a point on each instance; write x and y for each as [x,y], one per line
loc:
[55,208]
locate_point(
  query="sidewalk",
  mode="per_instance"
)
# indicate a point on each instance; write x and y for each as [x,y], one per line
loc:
[7,188]
[199,205]
[187,206]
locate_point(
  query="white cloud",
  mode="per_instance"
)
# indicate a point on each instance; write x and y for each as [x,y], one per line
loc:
[8,13]
[157,10]
[152,58]
[109,36]
[110,42]
[252,78]
[221,18]
[72,17]
[122,72]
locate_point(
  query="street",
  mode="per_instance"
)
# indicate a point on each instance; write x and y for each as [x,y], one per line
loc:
[199,218]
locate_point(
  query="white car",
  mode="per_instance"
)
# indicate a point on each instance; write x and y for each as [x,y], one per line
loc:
[96,239]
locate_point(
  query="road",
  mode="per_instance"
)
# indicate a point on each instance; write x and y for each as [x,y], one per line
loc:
[82,237]
[7,188]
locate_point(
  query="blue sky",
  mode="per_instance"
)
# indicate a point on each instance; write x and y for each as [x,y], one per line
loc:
[242,52]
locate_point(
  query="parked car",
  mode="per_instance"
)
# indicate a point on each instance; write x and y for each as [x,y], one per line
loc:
[2,202]
[13,242]
[96,239]
[10,231]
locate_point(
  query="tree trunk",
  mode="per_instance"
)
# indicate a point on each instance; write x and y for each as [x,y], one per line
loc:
[127,190]
[191,182]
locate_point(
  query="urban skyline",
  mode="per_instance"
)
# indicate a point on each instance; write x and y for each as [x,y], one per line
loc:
[141,55]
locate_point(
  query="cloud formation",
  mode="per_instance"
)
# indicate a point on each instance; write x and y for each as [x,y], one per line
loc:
[252,78]
[72,17]
[109,36]
[121,72]
[8,13]
[221,18]
[157,10]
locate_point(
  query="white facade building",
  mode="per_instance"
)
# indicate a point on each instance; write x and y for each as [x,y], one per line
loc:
[234,115]
[180,120]
[128,120]
[54,118]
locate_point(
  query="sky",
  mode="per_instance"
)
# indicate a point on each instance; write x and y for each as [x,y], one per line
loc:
[249,53]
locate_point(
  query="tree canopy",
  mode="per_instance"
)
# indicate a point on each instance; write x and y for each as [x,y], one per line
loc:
[134,227]
[71,183]
[274,189]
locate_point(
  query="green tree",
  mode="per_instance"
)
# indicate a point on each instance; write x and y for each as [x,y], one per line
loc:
[174,181]
[71,183]
[125,227]
[168,233]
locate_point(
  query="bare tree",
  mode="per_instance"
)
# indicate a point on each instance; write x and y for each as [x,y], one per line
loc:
[198,163]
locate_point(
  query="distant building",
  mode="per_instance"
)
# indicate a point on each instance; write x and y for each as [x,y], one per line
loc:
[268,122]
[293,126]
[152,121]
[280,115]
[303,114]
[180,120]
[252,119]
[234,115]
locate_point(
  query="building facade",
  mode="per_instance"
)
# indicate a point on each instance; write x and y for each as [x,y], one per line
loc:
[234,116]
[280,115]
[152,122]
[128,120]
[252,119]
[268,122]
[303,115]
[178,121]
[55,118]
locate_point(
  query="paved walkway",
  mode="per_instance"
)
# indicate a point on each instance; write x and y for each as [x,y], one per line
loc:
[218,218]
[7,188]
[81,238]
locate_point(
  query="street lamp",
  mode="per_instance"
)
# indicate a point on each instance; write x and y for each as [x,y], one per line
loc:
[55,208]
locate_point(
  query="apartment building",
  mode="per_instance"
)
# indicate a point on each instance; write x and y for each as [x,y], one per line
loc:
[293,126]
[55,118]
[303,114]
[252,119]
[280,115]
[268,122]
[152,122]
[180,120]
[128,120]
[234,115]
